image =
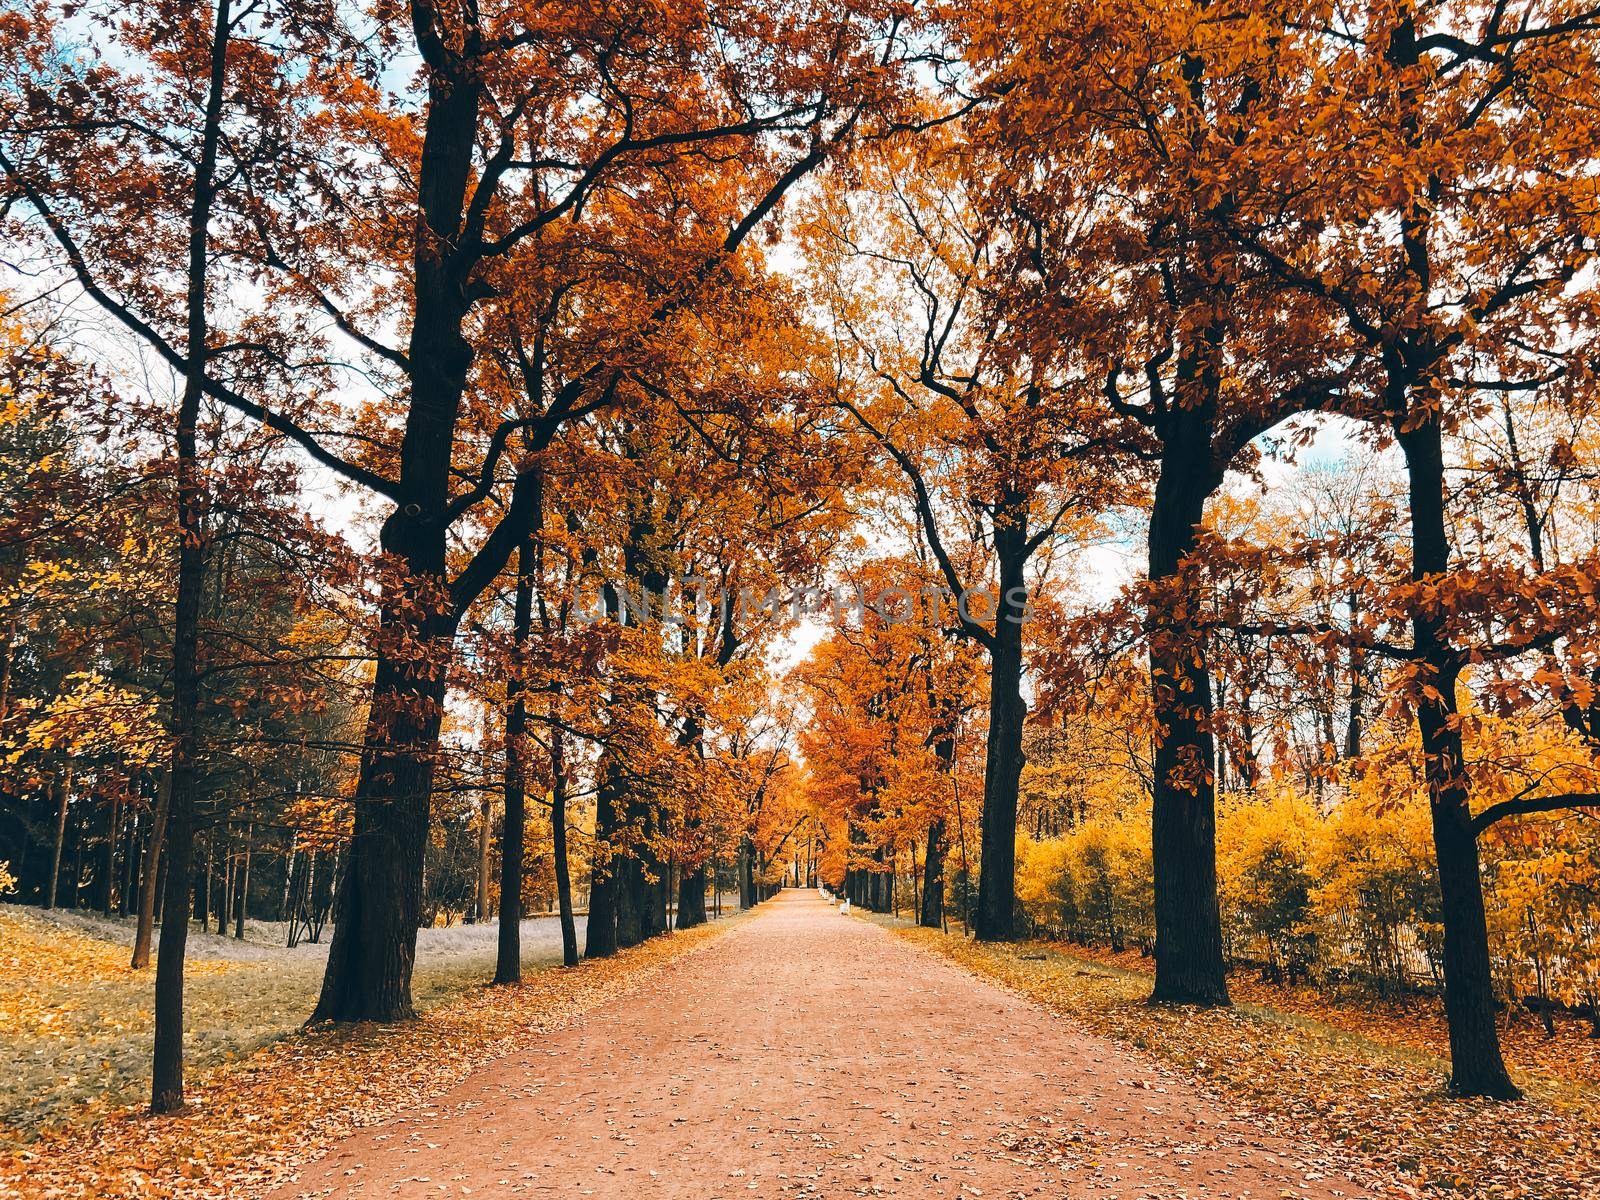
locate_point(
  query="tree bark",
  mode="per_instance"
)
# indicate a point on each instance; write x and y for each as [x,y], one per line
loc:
[692,880]
[480,886]
[132,845]
[166,1074]
[656,877]
[747,885]
[630,897]
[202,894]
[514,821]
[368,976]
[1477,1068]
[604,870]
[63,787]
[242,888]
[931,915]
[108,884]
[995,920]
[1354,718]
[225,884]
[8,646]
[145,926]
[288,875]
[692,898]
[558,836]
[1188,952]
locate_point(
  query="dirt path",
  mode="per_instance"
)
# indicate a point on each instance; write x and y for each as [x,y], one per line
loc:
[809,1054]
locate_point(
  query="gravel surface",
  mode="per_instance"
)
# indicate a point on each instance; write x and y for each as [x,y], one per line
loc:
[809,1054]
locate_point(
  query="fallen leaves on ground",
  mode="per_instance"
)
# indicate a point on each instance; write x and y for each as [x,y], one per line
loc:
[1572,1056]
[37,957]
[1305,1077]
[75,1021]
[249,1125]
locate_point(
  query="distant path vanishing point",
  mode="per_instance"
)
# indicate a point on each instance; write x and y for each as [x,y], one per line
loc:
[805,1053]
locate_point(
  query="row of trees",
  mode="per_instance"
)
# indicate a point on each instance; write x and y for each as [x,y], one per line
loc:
[665,703]
[490,275]
[1173,238]
[481,268]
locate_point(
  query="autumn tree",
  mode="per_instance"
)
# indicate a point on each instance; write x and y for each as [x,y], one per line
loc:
[981,419]
[1448,155]
[1123,179]
[887,691]
[492,173]
[180,103]
[768,95]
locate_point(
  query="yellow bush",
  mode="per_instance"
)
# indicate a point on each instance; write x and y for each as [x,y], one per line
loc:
[1350,891]
[1092,883]
[1265,842]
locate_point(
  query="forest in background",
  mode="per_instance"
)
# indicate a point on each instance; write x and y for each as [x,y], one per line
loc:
[432,434]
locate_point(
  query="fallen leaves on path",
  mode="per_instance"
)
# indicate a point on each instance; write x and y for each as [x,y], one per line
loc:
[249,1125]
[1307,1078]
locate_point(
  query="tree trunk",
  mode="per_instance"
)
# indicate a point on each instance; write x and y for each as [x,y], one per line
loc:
[480,886]
[604,870]
[132,845]
[558,836]
[747,889]
[656,880]
[108,885]
[932,914]
[8,646]
[63,788]
[78,840]
[692,880]
[242,901]
[1002,769]
[202,894]
[1189,958]
[288,875]
[629,893]
[1477,1068]
[1354,718]
[514,821]
[145,926]
[166,1073]
[368,975]
[692,898]
[225,884]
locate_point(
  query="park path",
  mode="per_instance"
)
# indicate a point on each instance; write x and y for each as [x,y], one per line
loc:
[807,1054]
